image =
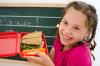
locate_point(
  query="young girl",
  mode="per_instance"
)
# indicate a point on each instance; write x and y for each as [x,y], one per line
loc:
[72,45]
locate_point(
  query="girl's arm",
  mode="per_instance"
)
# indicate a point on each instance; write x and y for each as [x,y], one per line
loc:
[52,53]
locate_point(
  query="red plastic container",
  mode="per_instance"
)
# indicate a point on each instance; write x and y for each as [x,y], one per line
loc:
[10,43]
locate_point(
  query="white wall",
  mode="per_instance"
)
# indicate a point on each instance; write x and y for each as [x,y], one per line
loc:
[35,1]
[96,3]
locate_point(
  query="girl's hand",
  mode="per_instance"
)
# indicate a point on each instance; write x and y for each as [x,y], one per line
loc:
[43,59]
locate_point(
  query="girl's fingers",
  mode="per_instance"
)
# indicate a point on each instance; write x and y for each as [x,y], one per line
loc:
[45,59]
[33,59]
[42,59]
[42,55]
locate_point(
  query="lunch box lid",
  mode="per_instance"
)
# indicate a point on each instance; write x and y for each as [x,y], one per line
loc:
[9,43]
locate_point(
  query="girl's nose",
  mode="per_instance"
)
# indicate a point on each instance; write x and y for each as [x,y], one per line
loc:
[68,30]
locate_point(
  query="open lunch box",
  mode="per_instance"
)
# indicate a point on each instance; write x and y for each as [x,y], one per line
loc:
[10,45]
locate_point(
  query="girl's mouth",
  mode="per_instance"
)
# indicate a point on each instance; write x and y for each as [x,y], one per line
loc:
[66,37]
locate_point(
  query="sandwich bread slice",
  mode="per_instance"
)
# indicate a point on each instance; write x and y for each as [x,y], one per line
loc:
[36,34]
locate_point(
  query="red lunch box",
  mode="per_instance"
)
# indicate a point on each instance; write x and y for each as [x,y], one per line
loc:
[10,43]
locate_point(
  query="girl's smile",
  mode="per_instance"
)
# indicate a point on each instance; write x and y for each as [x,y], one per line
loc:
[66,37]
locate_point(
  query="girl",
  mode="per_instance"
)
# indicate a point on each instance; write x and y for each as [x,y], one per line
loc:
[72,45]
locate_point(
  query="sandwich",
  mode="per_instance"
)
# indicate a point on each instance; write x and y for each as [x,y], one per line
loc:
[31,42]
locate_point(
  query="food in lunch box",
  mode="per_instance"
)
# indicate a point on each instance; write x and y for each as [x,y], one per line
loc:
[36,34]
[33,51]
[32,40]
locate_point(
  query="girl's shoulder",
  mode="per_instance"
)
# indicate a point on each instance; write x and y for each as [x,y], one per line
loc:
[81,51]
[80,56]
[81,48]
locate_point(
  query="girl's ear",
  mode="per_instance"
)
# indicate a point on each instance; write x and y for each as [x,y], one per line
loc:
[89,32]
[88,35]
[57,25]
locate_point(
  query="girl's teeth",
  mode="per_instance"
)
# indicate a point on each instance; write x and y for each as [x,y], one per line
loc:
[66,37]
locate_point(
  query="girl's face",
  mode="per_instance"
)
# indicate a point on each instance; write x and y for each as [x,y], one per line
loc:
[72,27]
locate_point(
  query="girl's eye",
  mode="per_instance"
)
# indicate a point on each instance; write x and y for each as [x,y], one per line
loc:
[76,28]
[65,22]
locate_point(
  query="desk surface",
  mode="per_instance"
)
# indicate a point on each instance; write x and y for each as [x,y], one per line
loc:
[8,62]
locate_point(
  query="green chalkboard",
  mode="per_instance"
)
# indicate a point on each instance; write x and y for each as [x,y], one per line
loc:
[30,11]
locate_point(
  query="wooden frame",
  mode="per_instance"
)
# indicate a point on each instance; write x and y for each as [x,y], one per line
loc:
[57,5]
